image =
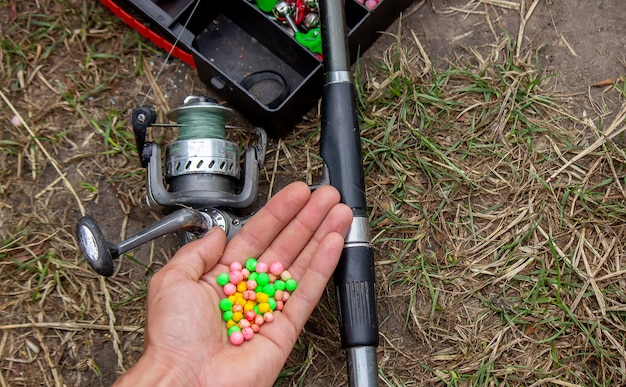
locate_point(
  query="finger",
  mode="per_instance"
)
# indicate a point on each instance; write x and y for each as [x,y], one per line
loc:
[289,323]
[259,232]
[338,221]
[198,257]
[298,233]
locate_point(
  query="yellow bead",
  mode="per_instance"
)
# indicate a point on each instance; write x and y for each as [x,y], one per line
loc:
[263,308]
[242,287]
[230,323]
[249,306]
[241,301]
[262,298]
[237,316]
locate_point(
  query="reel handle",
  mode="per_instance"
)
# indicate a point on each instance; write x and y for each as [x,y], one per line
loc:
[100,253]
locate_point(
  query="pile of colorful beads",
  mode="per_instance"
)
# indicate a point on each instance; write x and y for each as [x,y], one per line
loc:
[253,292]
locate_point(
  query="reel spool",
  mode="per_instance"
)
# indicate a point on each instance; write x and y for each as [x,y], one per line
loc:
[202,175]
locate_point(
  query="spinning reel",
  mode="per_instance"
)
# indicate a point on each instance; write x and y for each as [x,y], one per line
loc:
[202,180]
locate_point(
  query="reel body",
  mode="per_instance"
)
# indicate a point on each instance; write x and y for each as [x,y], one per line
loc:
[202,183]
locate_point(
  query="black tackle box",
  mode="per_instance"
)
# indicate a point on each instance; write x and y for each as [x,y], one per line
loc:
[246,55]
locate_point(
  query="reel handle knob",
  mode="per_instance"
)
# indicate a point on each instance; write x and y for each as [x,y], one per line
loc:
[95,248]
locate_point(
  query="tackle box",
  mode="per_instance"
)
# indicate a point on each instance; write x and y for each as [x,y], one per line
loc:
[246,55]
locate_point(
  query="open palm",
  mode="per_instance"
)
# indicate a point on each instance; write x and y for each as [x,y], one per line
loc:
[186,342]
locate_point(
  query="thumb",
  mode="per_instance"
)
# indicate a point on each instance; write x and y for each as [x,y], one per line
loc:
[198,257]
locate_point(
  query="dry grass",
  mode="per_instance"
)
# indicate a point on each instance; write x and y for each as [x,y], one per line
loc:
[499,217]
[498,214]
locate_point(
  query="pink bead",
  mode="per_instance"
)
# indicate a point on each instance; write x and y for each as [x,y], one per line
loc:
[276,268]
[245,272]
[247,333]
[235,266]
[268,317]
[250,315]
[255,328]
[236,338]
[258,320]
[230,289]
[250,284]
[280,305]
[261,267]
[235,277]
[371,4]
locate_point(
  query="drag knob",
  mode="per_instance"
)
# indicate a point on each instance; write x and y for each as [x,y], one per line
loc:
[98,252]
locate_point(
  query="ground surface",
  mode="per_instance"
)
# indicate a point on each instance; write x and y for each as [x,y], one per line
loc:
[455,308]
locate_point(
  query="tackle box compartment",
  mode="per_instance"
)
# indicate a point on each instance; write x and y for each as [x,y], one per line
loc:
[248,57]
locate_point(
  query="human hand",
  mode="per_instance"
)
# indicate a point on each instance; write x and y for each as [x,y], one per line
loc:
[185,338]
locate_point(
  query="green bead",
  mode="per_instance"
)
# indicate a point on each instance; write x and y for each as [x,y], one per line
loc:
[272,303]
[226,304]
[251,264]
[228,315]
[262,279]
[290,285]
[223,279]
[252,276]
[232,329]
[269,290]
[279,285]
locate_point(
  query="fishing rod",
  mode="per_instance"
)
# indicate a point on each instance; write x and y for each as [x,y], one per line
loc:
[203,184]
[340,148]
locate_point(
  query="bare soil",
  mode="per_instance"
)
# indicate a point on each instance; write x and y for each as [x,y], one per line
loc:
[74,85]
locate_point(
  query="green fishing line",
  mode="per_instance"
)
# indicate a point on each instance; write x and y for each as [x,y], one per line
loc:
[199,123]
